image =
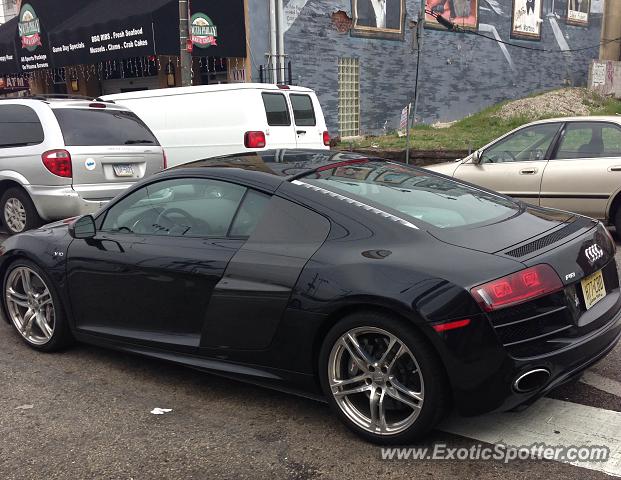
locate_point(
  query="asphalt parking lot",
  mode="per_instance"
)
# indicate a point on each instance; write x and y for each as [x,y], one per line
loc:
[86,413]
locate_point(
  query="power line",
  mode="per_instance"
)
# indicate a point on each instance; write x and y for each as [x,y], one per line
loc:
[451,26]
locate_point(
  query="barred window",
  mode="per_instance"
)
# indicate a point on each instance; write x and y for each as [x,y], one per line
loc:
[349,97]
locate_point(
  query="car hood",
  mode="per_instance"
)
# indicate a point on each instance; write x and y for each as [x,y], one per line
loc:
[447,168]
[529,222]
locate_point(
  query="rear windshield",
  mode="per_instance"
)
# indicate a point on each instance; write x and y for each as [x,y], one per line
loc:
[84,127]
[414,195]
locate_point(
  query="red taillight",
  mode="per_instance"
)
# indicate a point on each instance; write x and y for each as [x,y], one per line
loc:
[165,160]
[58,162]
[443,327]
[610,238]
[254,139]
[518,287]
[326,138]
[97,105]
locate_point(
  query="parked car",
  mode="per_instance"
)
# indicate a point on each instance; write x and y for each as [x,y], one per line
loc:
[205,121]
[388,290]
[567,163]
[64,157]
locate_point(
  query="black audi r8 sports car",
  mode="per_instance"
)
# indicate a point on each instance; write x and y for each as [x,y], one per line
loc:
[392,292]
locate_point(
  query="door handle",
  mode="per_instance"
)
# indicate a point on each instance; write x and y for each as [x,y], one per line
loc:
[616,168]
[301,132]
[528,171]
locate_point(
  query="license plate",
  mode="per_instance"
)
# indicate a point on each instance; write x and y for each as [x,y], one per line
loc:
[593,288]
[124,170]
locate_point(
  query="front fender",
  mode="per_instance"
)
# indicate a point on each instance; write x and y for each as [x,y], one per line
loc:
[46,247]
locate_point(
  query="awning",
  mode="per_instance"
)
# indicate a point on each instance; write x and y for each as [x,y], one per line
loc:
[218,29]
[35,20]
[106,30]
[8,57]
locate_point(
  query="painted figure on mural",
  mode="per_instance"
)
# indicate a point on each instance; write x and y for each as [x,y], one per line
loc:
[385,14]
[579,5]
[464,13]
[456,8]
[527,19]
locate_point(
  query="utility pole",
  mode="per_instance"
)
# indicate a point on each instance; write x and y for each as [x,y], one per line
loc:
[420,26]
[610,49]
[185,56]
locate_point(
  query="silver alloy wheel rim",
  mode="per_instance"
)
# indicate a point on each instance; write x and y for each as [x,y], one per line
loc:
[364,382]
[30,305]
[15,215]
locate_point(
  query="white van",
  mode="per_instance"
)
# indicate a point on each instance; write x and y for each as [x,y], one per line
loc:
[192,123]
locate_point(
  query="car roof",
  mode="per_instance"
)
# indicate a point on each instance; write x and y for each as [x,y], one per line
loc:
[282,163]
[165,92]
[62,102]
[592,118]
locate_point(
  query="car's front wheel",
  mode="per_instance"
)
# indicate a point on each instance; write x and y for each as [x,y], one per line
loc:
[382,378]
[34,307]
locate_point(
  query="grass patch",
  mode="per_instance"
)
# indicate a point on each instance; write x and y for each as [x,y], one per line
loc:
[474,131]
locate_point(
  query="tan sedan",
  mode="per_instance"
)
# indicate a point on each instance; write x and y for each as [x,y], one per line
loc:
[567,163]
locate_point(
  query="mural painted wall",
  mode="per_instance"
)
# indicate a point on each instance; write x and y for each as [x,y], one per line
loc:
[461,73]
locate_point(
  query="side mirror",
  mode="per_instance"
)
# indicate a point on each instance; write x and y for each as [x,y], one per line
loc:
[476,157]
[83,227]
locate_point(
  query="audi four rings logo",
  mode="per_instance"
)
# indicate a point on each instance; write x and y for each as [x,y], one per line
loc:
[593,253]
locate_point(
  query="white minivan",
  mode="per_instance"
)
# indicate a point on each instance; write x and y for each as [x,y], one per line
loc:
[197,122]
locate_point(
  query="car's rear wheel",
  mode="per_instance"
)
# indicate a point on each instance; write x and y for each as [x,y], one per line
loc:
[382,378]
[34,308]
[18,212]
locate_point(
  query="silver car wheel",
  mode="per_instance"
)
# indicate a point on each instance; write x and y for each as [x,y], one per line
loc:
[30,305]
[376,380]
[15,215]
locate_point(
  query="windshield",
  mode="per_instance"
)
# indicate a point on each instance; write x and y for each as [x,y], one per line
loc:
[413,194]
[102,127]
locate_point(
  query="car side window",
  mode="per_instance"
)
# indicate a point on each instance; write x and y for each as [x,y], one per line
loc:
[590,140]
[249,213]
[276,109]
[303,111]
[187,207]
[527,144]
[19,126]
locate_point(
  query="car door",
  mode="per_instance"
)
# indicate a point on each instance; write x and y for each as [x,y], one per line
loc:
[585,169]
[149,273]
[308,133]
[514,165]
[280,132]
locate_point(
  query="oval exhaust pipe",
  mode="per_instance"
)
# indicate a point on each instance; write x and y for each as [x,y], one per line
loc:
[531,380]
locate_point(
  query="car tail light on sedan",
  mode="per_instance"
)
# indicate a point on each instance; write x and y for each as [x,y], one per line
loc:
[254,140]
[517,288]
[58,162]
[610,238]
[326,138]
[164,160]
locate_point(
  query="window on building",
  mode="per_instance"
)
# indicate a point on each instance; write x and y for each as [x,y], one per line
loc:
[349,97]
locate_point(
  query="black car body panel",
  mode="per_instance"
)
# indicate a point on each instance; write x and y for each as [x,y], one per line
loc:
[259,307]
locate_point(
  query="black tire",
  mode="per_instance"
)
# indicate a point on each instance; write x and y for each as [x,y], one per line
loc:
[61,336]
[617,223]
[32,219]
[436,399]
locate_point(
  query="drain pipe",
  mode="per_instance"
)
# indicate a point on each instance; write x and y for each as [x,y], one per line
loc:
[273,63]
[281,41]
